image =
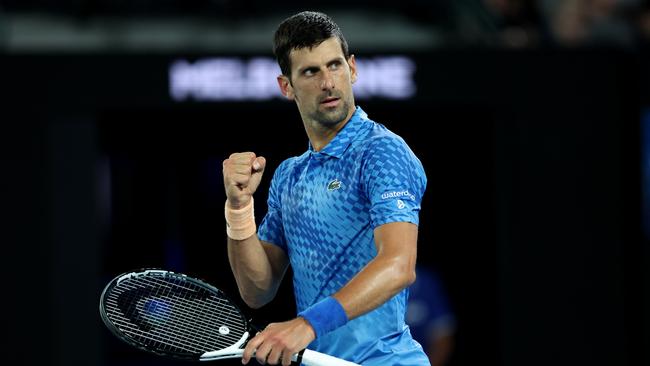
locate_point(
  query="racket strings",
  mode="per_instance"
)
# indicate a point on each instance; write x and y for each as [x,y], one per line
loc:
[217,310]
[172,334]
[203,314]
[173,314]
[201,321]
[199,315]
[187,334]
[167,338]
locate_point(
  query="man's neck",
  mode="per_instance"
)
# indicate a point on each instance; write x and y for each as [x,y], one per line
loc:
[319,135]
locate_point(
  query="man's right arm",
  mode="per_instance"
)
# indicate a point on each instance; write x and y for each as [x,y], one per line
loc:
[258,267]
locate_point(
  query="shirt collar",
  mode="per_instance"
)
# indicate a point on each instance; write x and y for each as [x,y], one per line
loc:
[344,137]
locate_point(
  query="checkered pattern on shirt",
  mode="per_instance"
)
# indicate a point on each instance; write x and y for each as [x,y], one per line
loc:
[323,208]
[326,227]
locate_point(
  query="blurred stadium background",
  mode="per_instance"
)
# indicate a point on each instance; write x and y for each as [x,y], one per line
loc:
[532,119]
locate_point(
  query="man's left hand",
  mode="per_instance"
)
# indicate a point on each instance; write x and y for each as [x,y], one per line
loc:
[278,342]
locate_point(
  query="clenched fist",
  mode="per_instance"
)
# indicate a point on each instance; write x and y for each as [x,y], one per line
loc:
[242,173]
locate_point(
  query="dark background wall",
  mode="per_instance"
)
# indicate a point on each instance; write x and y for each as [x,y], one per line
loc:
[532,214]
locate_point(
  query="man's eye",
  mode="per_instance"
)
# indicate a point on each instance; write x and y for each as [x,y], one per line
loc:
[309,72]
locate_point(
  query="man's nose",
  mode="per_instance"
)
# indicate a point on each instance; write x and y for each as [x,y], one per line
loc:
[328,81]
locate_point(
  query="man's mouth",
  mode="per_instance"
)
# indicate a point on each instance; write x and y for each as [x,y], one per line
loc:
[330,102]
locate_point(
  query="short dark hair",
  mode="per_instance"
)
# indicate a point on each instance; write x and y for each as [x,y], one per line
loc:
[305,29]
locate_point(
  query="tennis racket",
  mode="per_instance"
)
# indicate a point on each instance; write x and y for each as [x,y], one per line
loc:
[174,315]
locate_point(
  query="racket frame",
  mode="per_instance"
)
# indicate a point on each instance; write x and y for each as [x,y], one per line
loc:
[233,351]
[306,357]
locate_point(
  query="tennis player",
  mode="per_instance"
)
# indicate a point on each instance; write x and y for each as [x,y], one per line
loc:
[344,215]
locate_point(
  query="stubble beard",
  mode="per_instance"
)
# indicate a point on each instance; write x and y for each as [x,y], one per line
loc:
[332,117]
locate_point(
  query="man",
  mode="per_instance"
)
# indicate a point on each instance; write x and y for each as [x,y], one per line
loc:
[430,317]
[344,214]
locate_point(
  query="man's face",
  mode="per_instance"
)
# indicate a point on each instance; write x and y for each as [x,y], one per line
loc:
[321,83]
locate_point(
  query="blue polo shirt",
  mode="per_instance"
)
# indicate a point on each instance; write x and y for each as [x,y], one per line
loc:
[323,208]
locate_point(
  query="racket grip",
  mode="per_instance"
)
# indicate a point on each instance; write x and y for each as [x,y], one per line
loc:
[313,358]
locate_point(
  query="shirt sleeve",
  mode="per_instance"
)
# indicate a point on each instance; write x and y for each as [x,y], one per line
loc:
[395,181]
[271,229]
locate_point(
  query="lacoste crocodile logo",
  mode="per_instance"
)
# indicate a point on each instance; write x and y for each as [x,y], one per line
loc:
[334,185]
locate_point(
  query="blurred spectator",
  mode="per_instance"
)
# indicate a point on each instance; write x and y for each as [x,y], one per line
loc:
[518,21]
[509,23]
[498,23]
[526,23]
[430,317]
[590,22]
[643,21]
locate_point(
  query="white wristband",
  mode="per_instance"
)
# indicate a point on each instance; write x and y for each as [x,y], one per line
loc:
[240,223]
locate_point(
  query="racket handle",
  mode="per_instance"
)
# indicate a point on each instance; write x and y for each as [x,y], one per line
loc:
[313,358]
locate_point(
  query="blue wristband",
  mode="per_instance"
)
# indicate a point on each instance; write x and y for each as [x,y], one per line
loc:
[325,316]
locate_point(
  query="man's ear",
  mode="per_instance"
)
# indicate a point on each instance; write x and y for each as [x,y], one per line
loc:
[285,87]
[352,63]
